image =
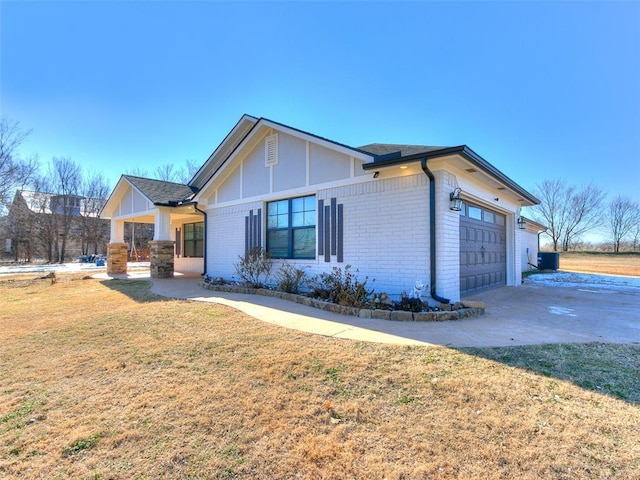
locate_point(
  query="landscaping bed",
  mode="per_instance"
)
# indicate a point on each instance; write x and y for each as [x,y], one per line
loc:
[339,291]
[445,312]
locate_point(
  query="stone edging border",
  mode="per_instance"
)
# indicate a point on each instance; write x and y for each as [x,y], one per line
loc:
[469,310]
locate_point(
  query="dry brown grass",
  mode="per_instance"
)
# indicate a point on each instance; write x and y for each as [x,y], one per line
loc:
[627,264]
[103,380]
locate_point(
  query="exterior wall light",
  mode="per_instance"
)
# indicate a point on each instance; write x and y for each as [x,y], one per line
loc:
[522,224]
[455,202]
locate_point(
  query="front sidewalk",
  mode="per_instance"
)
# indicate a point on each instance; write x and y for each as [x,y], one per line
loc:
[526,315]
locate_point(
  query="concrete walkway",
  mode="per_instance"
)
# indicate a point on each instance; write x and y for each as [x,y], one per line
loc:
[525,315]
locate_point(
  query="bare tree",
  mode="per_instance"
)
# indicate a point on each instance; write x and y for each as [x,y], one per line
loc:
[624,215]
[587,207]
[15,172]
[95,191]
[568,211]
[166,172]
[42,229]
[66,177]
[137,172]
[635,235]
[187,171]
[169,172]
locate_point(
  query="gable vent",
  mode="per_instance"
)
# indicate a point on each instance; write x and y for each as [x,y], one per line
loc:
[271,150]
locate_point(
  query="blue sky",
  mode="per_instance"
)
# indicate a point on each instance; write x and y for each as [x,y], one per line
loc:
[541,90]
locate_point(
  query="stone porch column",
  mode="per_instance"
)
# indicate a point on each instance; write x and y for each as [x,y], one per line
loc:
[117,254]
[117,258]
[161,256]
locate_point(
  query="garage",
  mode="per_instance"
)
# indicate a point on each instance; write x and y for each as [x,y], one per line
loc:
[483,248]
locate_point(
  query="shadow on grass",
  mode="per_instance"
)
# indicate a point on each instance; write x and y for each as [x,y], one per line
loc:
[137,290]
[607,368]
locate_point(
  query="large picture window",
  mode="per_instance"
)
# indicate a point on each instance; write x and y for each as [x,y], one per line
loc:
[291,228]
[194,239]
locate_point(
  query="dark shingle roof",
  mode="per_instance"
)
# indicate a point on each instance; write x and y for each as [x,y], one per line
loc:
[380,149]
[161,192]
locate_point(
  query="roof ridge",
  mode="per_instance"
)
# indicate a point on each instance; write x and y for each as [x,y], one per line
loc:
[155,180]
[344,145]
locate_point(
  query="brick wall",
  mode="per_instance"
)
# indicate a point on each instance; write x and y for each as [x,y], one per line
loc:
[385,231]
[386,234]
[226,238]
[447,238]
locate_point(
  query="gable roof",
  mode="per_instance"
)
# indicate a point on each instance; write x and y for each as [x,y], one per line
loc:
[234,142]
[532,223]
[317,137]
[464,152]
[228,145]
[161,192]
[375,155]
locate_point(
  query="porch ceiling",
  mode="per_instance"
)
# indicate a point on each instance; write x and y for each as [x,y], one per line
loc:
[140,219]
[180,214]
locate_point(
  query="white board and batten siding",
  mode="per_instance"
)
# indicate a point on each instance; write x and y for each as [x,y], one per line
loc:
[132,203]
[529,248]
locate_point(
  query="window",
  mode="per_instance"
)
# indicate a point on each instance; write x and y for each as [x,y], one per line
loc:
[194,239]
[474,212]
[291,228]
[488,216]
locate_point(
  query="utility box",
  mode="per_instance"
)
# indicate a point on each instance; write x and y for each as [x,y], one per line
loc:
[548,260]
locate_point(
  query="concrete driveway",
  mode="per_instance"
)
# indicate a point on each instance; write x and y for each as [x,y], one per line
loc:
[525,315]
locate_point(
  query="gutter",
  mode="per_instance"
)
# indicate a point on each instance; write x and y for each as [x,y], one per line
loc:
[464,152]
[432,230]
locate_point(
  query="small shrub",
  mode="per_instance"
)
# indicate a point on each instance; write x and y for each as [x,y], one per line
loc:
[254,268]
[290,278]
[408,304]
[341,287]
[405,399]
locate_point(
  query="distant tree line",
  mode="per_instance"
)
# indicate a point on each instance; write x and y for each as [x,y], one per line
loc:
[571,211]
[51,210]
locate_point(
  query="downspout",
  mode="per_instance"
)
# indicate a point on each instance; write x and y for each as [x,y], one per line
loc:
[204,249]
[432,230]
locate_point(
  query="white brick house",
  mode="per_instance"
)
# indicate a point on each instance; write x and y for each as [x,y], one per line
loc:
[386,210]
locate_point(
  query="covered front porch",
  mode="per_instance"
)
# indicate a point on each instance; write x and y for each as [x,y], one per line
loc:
[178,238]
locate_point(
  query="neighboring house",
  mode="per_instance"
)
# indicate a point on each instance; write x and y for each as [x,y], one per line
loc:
[37,222]
[396,213]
